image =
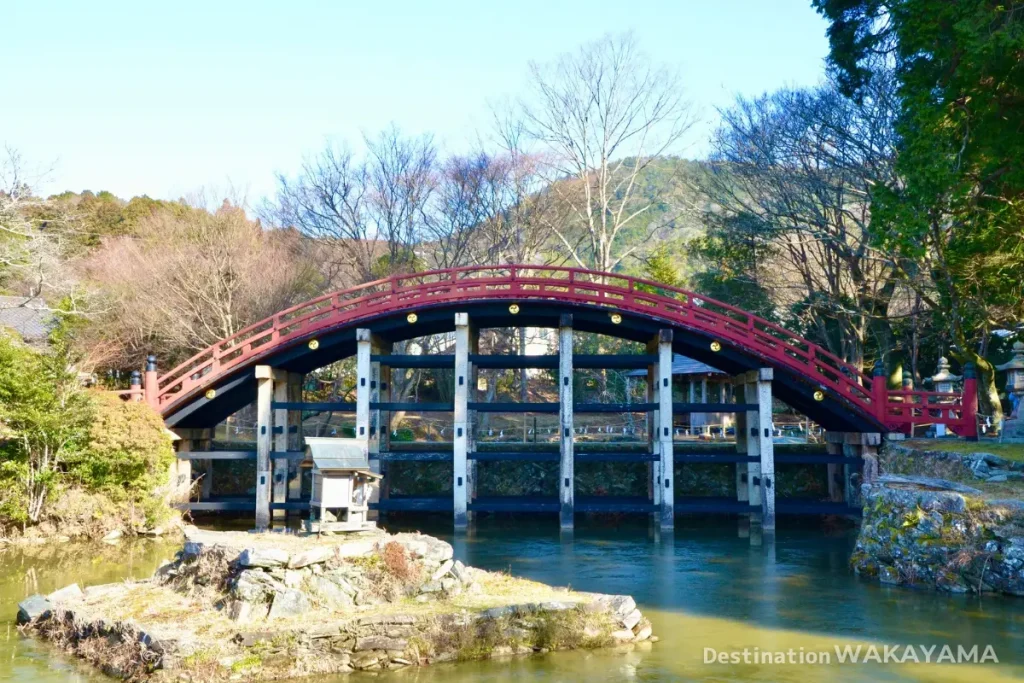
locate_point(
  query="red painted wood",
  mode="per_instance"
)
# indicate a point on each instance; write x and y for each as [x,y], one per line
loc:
[970,415]
[909,407]
[729,325]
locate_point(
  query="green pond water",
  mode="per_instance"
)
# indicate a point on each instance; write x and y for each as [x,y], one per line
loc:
[706,586]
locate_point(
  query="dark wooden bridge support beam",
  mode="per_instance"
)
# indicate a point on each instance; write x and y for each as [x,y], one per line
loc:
[380,420]
[293,423]
[862,445]
[463,476]
[566,471]
[653,426]
[182,471]
[666,458]
[742,468]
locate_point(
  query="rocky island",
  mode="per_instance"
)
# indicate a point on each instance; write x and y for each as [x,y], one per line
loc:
[248,606]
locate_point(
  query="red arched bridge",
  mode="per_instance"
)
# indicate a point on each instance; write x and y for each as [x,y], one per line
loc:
[839,396]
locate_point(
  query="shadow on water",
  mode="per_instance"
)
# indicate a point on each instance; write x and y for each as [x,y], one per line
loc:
[715,581]
[708,585]
[44,569]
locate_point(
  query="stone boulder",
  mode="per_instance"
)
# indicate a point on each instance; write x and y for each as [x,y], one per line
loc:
[263,557]
[32,608]
[71,592]
[289,603]
[928,483]
[426,548]
[311,556]
[335,594]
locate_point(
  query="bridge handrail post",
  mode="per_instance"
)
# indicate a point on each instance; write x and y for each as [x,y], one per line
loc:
[969,403]
[879,390]
[151,386]
[136,386]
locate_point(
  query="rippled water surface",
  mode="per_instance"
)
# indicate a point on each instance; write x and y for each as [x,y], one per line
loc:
[708,586]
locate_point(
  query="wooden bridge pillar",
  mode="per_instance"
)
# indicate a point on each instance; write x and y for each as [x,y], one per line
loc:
[862,445]
[466,342]
[740,422]
[380,420]
[190,440]
[766,448]
[265,376]
[293,421]
[566,469]
[367,391]
[665,432]
[654,425]
[750,421]
[286,389]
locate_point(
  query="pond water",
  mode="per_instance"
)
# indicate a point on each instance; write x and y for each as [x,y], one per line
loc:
[706,586]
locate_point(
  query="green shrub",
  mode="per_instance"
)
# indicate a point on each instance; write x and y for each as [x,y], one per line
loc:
[44,422]
[58,440]
[129,453]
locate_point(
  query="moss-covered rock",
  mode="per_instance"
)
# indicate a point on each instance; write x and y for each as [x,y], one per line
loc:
[941,539]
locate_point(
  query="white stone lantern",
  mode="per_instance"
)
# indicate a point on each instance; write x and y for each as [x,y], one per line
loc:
[1015,376]
[943,383]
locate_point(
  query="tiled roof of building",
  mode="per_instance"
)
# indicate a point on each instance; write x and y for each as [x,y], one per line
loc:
[29,319]
[682,365]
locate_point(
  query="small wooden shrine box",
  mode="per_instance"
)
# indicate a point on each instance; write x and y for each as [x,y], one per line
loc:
[342,483]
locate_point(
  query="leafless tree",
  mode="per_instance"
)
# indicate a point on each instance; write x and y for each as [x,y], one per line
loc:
[792,171]
[365,215]
[35,243]
[601,115]
[191,278]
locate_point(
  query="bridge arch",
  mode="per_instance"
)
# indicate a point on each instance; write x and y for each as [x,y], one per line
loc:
[216,382]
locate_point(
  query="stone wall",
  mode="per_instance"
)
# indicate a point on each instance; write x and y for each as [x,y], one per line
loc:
[937,534]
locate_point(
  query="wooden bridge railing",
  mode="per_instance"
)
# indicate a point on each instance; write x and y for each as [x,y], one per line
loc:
[516,283]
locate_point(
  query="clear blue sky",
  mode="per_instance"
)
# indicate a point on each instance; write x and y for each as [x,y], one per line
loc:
[163,98]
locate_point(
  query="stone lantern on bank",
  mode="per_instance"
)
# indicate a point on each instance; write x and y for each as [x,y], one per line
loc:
[943,383]
[1014,369]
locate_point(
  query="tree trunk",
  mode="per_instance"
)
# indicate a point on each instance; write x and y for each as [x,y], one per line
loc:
[988,393]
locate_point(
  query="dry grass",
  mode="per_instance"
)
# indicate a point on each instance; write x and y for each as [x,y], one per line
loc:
[116,652]
[203,575]
[397,562]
